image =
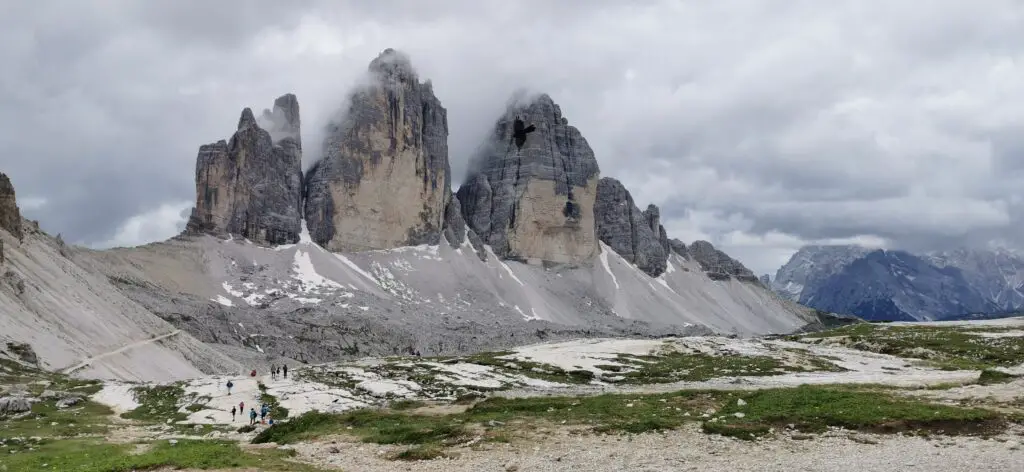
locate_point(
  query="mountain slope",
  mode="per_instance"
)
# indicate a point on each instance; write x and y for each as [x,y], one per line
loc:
[897,285]
[77,321]
[306,303]
[371,254]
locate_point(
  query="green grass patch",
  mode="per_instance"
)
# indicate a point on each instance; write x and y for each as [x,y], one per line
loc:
[814,409]
[952,347]
[95,456]
[420,453]
[46,420]
[277,412]
[157,404]
[992,376]
[669,367]
[537,370]
[603,413]
[406,405]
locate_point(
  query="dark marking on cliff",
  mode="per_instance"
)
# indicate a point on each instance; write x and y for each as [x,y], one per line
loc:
[520,131]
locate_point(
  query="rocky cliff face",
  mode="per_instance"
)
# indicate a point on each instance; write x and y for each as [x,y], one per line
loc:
[718,264]
[251,186]
[652,215]
[627,230]
[898,285]
[678,247]
[10,216]
[384,174]
[534,203]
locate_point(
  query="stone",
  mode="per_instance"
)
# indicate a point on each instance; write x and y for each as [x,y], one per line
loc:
[68,402]
[384,174]
[13,405]
[717,264]
[251,185]
[628,231]
[534,204]
[24,351]
[10,216]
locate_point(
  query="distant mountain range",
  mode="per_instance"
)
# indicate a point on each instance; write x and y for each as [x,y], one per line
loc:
[877,284]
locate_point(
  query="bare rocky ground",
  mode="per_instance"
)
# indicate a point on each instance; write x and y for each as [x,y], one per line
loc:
[861,397]
[558,449]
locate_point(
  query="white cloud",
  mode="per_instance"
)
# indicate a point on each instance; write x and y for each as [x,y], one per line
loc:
[814,120]
[31,203]
[158,224]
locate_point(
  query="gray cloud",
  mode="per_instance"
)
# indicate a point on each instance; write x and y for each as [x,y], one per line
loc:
[757,125]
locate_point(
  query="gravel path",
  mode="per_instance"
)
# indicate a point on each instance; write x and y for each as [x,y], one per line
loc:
[689,449]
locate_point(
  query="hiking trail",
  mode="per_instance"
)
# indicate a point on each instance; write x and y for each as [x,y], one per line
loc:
[90,360]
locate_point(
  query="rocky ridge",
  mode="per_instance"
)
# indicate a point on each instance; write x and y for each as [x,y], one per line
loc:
[10,216]
[717,264]
[899,285]
[251,185]
[627,230]
[384,177]
[535,203]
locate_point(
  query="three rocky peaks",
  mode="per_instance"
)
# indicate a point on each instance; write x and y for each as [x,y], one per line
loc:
[384,181]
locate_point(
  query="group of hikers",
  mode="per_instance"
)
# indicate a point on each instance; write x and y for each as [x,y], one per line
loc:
[275,370]
[264,413]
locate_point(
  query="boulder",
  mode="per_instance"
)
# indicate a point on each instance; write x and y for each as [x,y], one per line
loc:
[384,175]
[532,197]
[12,405]
[69,401]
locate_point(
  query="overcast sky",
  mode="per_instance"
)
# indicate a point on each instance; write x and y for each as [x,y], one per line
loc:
[757,125]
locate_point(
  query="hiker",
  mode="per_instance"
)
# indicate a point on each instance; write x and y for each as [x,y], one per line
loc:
[252,416]
[232,414]
[263,413]
[273,372]
[241,407]
[230,384]
[285,371]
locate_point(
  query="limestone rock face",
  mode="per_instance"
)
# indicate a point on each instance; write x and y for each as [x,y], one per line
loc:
[251,186]
[456,232]
[10,216]
[652,215]
[535,203]
[627,230]
[718,264]
[679,247]
[384,174]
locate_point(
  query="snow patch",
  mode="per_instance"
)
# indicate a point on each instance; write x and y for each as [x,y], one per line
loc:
[223,300]
[118,396]
[604,262]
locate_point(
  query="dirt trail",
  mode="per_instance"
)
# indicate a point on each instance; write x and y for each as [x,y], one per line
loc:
[88,361]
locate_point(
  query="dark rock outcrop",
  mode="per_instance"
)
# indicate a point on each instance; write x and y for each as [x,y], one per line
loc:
[24,352]
[652,215]
[456,232]
[10,216]
[251,186]
[679,247]
[534,203]
[717,264]
[384,174]
[626,230]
